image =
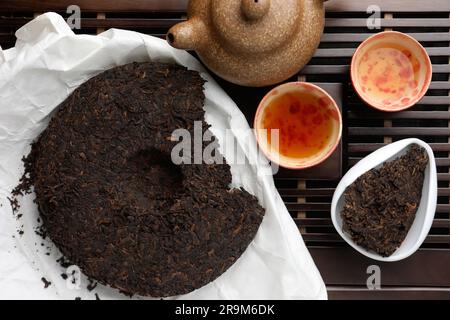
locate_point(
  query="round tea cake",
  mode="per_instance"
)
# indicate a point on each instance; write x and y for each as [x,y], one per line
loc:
[111,198]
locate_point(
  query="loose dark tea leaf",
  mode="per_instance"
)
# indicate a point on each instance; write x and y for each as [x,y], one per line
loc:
[380,206]
[15,206]
[46,283]
[112,200]
[92,285]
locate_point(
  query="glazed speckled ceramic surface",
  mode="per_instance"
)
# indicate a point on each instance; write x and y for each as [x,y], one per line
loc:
[252,42]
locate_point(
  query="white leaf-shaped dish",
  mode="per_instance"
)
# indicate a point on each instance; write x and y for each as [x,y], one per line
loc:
[425,213]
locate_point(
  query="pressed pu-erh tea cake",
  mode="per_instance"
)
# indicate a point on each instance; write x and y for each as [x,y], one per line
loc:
[113,201]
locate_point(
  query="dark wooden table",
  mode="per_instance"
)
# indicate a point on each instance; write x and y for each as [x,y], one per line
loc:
[424,275]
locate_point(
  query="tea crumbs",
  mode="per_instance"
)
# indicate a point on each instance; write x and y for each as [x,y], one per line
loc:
[64,262]
[91,285]
[46,283]
[380,206]
[15,206]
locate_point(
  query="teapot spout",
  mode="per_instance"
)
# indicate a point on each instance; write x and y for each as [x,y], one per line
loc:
[187,35]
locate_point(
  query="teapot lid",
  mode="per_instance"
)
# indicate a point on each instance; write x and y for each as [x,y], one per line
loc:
[251,26]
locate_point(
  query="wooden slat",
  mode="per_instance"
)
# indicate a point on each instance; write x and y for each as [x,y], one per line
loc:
[441,68]
[96,6]
[443,192]
[310,206]
[389,5]
[378,131]
[387,23]
[443,176]
[326,207]
[348,52]
[367,114]
[370,147]
[10,22]
[427,100]
[359,37]
[102,23]
[314,69]
[435,100]
[129,23]
[313,222]
[442,162]
[325,69]
[442,239]
[441,223]
[334,237]
[322,237]
[405,293]
[306,193]
[427,267]
[440,84]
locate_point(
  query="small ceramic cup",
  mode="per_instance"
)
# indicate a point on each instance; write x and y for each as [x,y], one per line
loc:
[391,71]
[327,105]
[427,207]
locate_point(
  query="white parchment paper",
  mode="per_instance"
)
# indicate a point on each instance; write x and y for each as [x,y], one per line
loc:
[48,62]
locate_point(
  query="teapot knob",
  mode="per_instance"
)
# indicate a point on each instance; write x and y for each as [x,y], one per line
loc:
[255,9]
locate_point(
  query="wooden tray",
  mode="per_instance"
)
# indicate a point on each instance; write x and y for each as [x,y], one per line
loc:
[308,195]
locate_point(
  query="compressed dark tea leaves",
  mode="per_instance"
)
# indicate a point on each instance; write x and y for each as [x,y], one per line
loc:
[112,200]
[380,206]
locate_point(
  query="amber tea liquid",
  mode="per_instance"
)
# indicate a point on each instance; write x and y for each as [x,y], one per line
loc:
[304,121]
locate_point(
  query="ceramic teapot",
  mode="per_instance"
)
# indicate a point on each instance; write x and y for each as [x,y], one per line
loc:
[251,42]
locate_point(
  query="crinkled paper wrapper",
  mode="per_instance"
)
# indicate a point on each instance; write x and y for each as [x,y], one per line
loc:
[48,62]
